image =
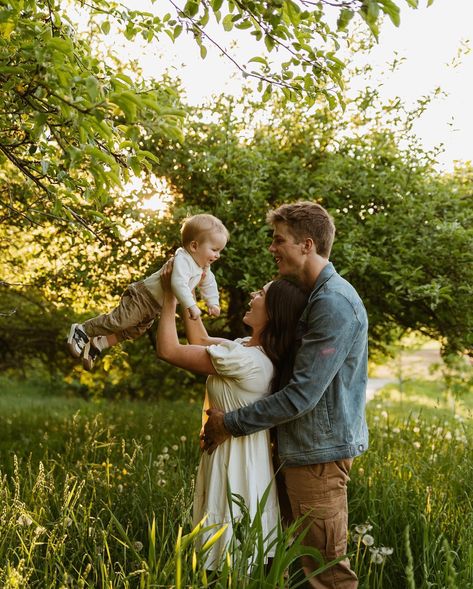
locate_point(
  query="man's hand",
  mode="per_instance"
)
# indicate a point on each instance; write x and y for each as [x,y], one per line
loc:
[215,432]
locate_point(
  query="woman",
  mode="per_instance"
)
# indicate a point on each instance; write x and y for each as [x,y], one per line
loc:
[240,372]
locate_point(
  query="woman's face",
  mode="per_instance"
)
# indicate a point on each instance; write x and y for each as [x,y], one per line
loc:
[257,316]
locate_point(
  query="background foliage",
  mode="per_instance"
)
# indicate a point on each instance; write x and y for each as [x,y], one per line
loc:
[74,127]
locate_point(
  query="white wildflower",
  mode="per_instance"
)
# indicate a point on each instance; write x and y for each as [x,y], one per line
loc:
[376,556]
[368,540]
[363,528]
[39,530]
[24,520]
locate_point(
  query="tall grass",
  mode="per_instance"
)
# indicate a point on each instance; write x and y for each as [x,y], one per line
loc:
[99,495]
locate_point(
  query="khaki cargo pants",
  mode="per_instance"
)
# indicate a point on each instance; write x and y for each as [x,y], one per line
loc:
[132,317]
[319,491]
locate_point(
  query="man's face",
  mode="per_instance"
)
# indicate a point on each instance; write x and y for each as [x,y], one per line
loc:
[287,253]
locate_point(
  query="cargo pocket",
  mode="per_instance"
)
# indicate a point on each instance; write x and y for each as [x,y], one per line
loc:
[327,521]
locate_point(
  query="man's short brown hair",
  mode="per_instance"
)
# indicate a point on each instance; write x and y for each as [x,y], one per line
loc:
[307,219]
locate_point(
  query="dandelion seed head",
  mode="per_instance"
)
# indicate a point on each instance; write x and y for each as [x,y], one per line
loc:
[175,447]
[384,414]
[183,439]
[363,528]
[165,450]
[376,557]
[368,540]
[416,445]
[161,483]
[148,438]
[24,520]
[39,530]
[386,550]
[138,546]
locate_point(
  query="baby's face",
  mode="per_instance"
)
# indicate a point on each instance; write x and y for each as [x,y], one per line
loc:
[207,251]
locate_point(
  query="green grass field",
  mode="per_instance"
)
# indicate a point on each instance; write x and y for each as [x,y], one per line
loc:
[98,494]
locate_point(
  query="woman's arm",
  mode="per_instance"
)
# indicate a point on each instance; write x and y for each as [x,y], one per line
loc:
[168,346]
[197,334]
[191,357]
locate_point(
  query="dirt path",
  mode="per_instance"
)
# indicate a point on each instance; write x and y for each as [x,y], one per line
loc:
[409,364]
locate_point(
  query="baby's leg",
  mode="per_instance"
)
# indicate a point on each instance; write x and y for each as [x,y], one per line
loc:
[130,318]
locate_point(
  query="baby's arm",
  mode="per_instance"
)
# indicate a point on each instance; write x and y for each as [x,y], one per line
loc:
[209,290]
[181,274]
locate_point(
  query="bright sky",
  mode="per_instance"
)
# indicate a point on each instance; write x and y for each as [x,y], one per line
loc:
[429,39]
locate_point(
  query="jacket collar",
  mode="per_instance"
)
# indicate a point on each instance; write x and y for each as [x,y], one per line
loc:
[327,272]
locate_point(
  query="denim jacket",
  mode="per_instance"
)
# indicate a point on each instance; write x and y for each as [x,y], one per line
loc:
[320,414]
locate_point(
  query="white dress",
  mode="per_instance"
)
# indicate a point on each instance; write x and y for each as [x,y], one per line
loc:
[244,376]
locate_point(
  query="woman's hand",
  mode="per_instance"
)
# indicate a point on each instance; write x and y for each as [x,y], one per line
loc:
[166,274]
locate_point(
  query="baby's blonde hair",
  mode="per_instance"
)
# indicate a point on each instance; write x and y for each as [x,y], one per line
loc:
[196,227]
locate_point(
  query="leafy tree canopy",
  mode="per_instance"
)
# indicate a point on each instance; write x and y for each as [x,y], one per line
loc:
[73,122]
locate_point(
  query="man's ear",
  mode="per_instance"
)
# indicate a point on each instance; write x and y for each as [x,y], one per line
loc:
[308,246]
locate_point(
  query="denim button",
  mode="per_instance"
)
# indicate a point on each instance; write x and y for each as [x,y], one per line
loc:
[360,447]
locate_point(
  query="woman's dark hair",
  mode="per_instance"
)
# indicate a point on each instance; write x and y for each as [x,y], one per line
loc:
[284,302]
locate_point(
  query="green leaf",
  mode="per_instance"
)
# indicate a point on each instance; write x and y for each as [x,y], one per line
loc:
[246,24]
[191,7]
[344,18]
[228,22]
[267,93]
[269,42]
[177,31]
[203,51]
[258,59]
[105,26]
[293,12]
[92,86]
[216,5]
[392,10]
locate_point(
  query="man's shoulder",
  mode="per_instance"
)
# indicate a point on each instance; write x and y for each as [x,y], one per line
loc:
[336,295]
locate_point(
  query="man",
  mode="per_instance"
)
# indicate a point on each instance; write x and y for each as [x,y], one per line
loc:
[320,414]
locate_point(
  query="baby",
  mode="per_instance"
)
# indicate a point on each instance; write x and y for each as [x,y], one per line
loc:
[203,238]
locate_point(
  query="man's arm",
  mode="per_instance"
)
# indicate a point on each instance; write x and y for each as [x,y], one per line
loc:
[332,325]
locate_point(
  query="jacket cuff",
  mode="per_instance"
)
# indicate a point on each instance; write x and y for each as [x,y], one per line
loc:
[231,423]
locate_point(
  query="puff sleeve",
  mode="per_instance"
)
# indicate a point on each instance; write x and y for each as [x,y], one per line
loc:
[232,359]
